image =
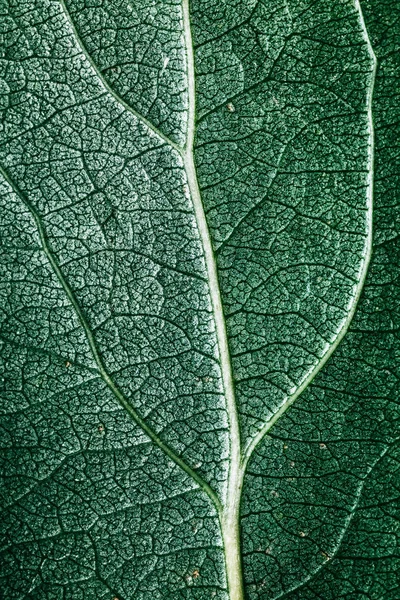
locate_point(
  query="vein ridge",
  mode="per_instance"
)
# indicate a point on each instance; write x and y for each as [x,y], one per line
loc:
[120,397]
[229,515]
[109,89]
[364,267]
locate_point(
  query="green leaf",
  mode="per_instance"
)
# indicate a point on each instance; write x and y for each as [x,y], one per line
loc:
[187,229]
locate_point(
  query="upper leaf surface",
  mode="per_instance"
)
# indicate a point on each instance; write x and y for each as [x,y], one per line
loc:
[91,508]
[283,168]
[110,198]
[320,506]
[106,289]
[282,131]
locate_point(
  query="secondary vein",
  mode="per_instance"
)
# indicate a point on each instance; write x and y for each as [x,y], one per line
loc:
[110,90]
[120,397]
[364,266]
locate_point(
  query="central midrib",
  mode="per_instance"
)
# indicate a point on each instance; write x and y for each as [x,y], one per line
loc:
[209,257]
[229,516]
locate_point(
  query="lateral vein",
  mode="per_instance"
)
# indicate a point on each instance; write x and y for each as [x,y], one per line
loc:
[364,267]
[109,89]
[122,400]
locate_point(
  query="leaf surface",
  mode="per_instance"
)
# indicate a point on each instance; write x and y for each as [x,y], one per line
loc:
[186,214]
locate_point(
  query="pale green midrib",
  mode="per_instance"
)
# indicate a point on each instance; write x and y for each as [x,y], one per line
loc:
[249,449]
[110,90]
[209,257]
[229,516]
[98,360]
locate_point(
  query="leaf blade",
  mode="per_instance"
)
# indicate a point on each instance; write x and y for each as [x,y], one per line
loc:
[334,450]
[115,163]
[276,177]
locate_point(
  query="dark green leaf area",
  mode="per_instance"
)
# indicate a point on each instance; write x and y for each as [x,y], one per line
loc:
[280,147]
[90,507]
[320,514]
[383,24]
[108,201]
[138,47]
[323,515]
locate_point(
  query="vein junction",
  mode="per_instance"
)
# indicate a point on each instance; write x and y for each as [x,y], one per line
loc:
[187,154]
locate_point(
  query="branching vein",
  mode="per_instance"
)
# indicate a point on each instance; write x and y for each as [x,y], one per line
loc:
[110,90]
[120,397]
[363,267]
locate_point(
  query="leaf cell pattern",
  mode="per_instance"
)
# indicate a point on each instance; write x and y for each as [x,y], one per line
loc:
[185,213]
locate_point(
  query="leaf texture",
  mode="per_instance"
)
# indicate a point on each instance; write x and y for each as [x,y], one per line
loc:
[322,521]
[186,226]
